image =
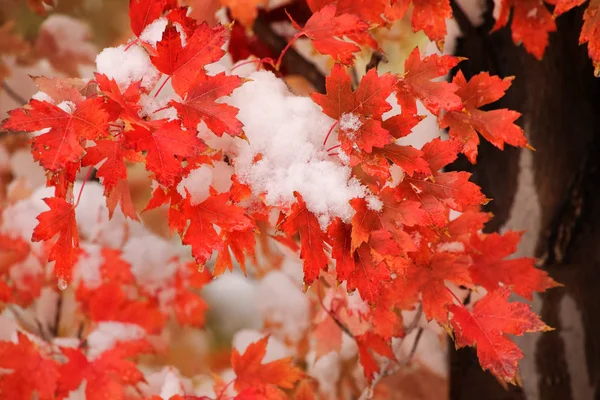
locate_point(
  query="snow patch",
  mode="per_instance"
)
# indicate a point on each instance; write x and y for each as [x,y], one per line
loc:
[127,66]
[284,152]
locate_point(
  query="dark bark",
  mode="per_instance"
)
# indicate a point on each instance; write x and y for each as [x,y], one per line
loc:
[560,101]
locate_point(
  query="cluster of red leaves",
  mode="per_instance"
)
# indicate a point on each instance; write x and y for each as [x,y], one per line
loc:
[531,22]
[395,255]
[105,127]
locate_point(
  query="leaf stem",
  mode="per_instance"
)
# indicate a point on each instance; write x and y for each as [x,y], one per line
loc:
[329,133]
[285,49]
[455,297]
[130,44]
[87,177]
[162,86]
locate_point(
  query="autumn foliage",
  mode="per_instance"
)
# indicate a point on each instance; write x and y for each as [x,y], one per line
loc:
[410,239]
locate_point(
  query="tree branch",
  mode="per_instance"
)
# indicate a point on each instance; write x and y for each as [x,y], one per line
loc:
[17,98]
[293,62]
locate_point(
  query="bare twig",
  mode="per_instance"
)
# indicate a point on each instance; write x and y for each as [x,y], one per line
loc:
[376,58]
[293,62]
[17,98]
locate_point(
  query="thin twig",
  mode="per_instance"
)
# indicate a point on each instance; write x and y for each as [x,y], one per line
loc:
[293,62]
[413,350]
[17,98]
[376,58]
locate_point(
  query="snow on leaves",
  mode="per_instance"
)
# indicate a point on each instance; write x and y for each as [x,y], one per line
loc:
[396,246]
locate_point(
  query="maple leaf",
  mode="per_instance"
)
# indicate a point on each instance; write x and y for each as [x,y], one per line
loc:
[63,142]
[328,336]
[406,157]
[497,126]
[215,210]
[489,267]
[62,89]
[442,191]
[531,24]
[368,275]
[121,195]
[440,153]
[59,220]
[113,169]
[430,277]
[430,16]
[240,243]
[358,113]
[590,33]
[30,374]
[107,375]
[200,104]
[371,342]
[326,31]
[364,222]
[183,63]
[250,372]
[122,104]
[190,309]
[369,99]
[486,326]
[110,302]
[166,144]
[244,11]
[562,6]
[143,12]
[312,238]
[417,83]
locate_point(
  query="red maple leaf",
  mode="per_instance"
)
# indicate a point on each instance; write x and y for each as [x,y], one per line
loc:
[312,238]
[144,12]
[113,169]
[430,16]
[486,326]
[430,276]
[418,83]
[590,33]
[199,104]
[326,30]
[369,99]
[490,268]
[166,145]
[531,24]
[358,113]
[63,142]
[215,210]
[370,342]
[252,373]
[562,6]
[111,302]
[59,220]
[107,376]
[373,11]
[241,244]
[368,274]
[183,63]
[29,372]
[497,126]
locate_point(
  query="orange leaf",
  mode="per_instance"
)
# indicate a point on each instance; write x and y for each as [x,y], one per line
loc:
[250,372]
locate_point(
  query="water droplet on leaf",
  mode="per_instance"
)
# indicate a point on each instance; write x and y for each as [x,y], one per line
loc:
[305,287]
[62,284]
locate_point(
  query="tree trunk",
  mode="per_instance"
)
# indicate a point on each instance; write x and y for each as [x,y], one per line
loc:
[554,193]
